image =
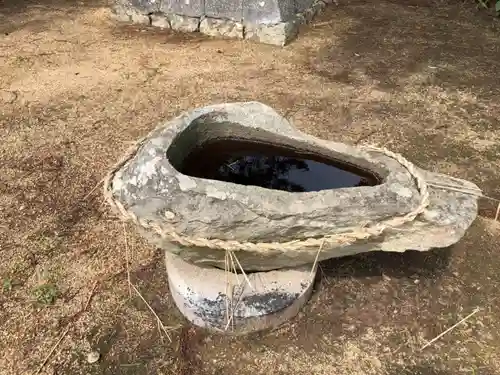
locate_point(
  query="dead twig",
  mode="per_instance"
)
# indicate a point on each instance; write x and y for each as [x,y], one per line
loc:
[90,296]
[449,329]
[231,254]
[127,260]
[230,321]
[226,269]
[364,137]
[132,286]
[231,317]
[233,267]
[316,260]
[52,351]
[324,276]
[482,3]
[93,189]
[160,323]
[290,113]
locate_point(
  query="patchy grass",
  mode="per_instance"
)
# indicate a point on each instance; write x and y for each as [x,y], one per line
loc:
[7,285]
[45,293]
[76,88]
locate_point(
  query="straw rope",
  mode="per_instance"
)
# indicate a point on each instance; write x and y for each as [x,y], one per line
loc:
[310,244]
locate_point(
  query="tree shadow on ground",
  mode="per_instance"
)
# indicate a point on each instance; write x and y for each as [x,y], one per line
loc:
[430,264]
[16,6]
[452,44]
[39,14]
[418,370]
[431,370]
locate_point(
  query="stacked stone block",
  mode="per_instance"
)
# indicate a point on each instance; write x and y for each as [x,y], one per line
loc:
[273,22]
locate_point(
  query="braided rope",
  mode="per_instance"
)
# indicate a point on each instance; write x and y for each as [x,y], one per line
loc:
[310,244]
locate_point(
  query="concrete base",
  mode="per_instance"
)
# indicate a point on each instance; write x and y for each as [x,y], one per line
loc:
[212,299]
[278,33]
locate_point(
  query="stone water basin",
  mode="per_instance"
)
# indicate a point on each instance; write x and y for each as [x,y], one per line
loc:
[240,177]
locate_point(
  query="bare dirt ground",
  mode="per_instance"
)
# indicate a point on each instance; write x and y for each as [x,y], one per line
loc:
[420,78]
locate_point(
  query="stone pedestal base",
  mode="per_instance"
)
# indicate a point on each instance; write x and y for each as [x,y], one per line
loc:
[275,30]
[225,302]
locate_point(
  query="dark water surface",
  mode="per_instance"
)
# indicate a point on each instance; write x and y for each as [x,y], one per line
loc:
[271,167]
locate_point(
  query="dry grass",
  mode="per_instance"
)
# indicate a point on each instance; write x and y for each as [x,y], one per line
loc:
[75,89]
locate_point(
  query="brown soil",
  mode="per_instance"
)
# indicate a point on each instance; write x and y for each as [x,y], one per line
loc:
[421,78]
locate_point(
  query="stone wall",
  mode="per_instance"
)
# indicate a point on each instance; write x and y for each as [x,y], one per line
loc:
[266,21]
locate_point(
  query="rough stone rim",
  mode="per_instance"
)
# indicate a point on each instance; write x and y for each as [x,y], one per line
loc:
[392,168]
[185,120]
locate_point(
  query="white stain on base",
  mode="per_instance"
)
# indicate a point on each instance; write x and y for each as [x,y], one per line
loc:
[185,183]
[214,193]
[148,170]
[401,190]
